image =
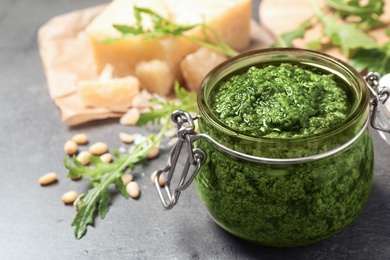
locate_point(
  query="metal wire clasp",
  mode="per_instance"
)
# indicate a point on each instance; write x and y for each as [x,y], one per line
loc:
[379,116]
[195,158]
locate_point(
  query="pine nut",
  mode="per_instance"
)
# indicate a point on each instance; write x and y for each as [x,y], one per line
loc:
[126,178]
[126,138]
[48,178]
[78,177]
[83,157]
[161,179]
[69,197]
[132,189]
[70,147]
[80,138]
[131,117]
[98,148]
[106,158]
[153,152]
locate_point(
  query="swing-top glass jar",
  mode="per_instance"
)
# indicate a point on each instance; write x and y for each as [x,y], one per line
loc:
[277,191]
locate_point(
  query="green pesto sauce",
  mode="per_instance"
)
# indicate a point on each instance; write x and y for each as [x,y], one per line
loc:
[283,101]
[286,205]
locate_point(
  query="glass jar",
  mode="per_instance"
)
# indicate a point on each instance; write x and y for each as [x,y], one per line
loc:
[277,192]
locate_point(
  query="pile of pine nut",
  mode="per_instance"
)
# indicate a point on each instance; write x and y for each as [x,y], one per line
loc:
[71,147]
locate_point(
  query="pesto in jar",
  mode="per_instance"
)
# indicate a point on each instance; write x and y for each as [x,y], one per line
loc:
[278,108]
[284,101]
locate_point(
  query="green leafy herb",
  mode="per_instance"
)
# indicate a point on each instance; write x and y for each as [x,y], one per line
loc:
[286,39]
[375,59]
[97,199]
[187,102]
[102,176]
[367,13]
[162,27]
[349,36]
[346,35]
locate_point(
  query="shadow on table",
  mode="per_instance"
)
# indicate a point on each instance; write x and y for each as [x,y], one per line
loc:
[96,123]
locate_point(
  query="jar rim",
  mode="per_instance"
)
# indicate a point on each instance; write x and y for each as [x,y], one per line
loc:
[256,57]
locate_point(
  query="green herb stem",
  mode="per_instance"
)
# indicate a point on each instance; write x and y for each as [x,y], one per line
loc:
[163,27]
[374,7]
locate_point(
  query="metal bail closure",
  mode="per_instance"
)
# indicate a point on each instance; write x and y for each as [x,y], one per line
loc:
[380,115]
[195,158]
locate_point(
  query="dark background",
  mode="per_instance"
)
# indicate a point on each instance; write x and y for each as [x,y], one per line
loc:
[34,223]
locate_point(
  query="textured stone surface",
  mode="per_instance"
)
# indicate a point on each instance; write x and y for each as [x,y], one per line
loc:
[34,223]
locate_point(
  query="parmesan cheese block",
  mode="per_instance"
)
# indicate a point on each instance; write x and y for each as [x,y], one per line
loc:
[231,18]
[116,94]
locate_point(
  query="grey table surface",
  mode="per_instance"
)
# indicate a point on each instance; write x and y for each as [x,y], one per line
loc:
[34,223]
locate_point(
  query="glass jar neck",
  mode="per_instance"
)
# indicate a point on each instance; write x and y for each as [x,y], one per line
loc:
[285,147]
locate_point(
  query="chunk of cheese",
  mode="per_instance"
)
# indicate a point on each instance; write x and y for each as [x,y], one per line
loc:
[116,94]
[155,76]
[194,67]
[231,18]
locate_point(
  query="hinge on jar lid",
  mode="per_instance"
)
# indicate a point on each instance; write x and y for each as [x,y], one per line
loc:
[380,117]
[195,158]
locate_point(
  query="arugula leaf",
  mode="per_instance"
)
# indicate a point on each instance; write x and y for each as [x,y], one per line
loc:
[368,12]
[286,39]
[348,36]
[357,7]
[162,27]
[374,59]
[97,199]
[187,102]
[215,42]
[90,174]
[155,115]
[187,98]
[314,45]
